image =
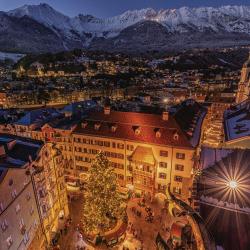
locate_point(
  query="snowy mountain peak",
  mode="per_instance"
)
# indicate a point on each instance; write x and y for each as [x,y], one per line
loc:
[44,14]
[83,29]
[228,17]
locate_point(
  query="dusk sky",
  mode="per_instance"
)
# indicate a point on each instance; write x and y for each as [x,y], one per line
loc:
[106,8]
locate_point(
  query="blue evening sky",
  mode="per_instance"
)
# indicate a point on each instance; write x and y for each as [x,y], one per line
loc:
[106,8]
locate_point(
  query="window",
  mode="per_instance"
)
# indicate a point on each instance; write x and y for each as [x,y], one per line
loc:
[177,190]
[31,210]
[18,208]
[28,196]
[1,207]
[10,182]
[164,153]
[179,167]
[180,156]
[163,164]
[120,177]
[117,165]
[130,147]
[26,238]
[129,178]
[162,176]
[44,208]
[178,178]
[14,193]
[4,225]
[9,241]
[120,145]
[41,193]
[21,224]
[162,187]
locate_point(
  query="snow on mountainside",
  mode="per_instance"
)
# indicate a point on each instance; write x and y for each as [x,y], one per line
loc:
[225,18]
[205,26]
[44,14]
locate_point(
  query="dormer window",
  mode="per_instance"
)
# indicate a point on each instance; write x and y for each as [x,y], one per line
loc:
[84,124]
[113,128]
[176,136]
[97,126]
[137,130]
[157,133]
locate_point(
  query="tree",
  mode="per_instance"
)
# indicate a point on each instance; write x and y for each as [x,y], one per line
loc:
[102,205]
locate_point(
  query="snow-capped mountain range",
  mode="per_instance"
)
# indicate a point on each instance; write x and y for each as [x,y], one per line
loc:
[83,30]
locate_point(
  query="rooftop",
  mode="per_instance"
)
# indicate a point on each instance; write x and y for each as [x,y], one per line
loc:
[149,128]
[79,106]
[16,152]
[38,116]
[237,121]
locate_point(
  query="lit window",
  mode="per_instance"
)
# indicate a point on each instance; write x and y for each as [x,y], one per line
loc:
[178,178]
[162,187]
[9,241]
[179,167]
[162,176]
[164,153]
[180,156]
[163,164]
[18,208]
[1,207]
[177,190]
[4,225]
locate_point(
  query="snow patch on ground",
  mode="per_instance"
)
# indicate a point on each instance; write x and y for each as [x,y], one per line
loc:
[13,56]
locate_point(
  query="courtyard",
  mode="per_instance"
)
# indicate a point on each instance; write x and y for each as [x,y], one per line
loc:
[146,218]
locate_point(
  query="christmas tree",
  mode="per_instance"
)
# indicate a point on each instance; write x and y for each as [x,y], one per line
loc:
[102,205]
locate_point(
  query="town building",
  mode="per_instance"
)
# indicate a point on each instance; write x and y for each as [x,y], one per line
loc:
[213,131]
[237,126]
[34,120]
[244,84]
[148,151]
[33,199]
[19,218]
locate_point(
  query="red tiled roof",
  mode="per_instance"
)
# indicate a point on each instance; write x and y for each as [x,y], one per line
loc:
[127,122]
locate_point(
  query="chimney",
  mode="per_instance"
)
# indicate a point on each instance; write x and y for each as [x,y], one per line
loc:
[107,110]
[165,116]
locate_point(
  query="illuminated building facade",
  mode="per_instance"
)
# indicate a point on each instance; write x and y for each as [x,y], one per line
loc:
[33,199]
[148,151]
[244,84]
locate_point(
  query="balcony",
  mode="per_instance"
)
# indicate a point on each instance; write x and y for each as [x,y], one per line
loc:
[141,172]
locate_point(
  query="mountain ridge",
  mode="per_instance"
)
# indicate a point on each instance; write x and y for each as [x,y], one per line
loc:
[83,31]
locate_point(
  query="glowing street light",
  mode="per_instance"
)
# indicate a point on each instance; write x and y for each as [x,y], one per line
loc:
[233,184]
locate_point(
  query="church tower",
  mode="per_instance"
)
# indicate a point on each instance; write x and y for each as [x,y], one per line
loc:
[244,85]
